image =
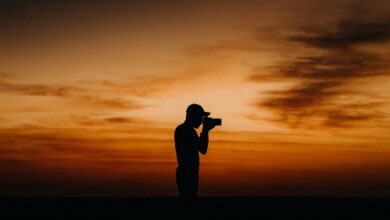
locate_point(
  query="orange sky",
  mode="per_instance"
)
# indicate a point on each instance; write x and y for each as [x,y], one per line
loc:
[90,96]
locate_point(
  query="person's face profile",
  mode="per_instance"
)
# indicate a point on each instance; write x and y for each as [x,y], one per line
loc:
[198,120]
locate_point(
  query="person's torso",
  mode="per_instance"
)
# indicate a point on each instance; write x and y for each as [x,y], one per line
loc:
[186,145]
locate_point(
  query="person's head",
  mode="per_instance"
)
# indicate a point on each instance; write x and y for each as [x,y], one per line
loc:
[195,115]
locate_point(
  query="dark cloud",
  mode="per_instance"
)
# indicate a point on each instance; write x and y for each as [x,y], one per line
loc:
[90,121]
[98,121]
[349,33]
[334,65]
[308,94]
[339,118]
[120,120]
[334,58]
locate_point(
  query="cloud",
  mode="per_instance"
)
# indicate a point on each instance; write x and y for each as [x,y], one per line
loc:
[342,118]
[5,75]
[349,34]
[334,65]
[120,120]
[36,89]
[98,101]
[307,94]
[93,121]
[79,95]
[334,59]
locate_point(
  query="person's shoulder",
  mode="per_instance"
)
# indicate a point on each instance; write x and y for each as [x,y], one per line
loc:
[182,128]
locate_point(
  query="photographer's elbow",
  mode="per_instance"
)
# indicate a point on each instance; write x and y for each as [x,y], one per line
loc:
[203,150]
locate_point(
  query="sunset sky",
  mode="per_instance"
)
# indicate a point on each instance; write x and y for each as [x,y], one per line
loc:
[91,92]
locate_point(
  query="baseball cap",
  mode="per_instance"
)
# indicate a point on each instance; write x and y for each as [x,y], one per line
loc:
[196,109]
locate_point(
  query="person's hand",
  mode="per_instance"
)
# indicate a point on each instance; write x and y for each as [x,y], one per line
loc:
[207,126]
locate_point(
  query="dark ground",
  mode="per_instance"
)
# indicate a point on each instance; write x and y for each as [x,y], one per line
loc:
[203,208]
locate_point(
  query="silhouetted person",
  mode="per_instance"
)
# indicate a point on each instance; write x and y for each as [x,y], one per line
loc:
[188,144]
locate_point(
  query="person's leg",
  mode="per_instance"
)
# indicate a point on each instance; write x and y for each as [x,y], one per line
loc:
[187,183]
[179,182]
[194,186]
[187,187]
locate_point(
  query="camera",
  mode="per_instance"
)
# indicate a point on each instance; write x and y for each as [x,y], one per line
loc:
[213,121]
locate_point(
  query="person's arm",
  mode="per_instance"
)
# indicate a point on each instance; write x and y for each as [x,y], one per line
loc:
[204,141]
[204,137]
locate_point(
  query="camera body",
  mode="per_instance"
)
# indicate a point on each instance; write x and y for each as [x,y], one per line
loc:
[213,121]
